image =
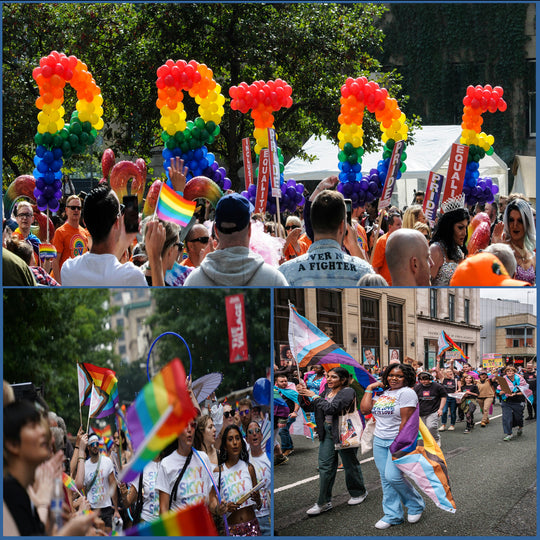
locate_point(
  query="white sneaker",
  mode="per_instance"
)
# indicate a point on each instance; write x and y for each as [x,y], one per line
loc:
[414,518]
[315,510]
[451,428]
[442,428]
[382,524]
[357,500]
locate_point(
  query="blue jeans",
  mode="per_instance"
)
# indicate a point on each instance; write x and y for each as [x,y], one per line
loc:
[328,464]
[285,436]
[452,404]
[264,525]
[397,490]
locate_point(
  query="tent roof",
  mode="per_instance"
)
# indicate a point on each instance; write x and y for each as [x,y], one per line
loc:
[430,151]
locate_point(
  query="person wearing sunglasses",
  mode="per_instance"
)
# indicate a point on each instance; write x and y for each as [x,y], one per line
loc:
[198,244]
[244,410]
[70,239]
[297,242]
[24,216]
[260,460]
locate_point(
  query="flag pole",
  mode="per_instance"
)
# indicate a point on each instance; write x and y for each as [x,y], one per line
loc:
[294,352]
[90,409]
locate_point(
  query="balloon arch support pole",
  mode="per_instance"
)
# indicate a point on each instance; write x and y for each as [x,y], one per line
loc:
[152,346]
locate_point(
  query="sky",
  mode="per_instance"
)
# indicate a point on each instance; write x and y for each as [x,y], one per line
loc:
[524,295]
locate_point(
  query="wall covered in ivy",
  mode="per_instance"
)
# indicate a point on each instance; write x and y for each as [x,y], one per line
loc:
[442,48]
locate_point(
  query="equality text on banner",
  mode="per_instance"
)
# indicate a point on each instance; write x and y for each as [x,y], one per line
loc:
[262,181]
[456,171]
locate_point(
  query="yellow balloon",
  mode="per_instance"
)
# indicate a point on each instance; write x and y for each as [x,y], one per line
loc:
[42,128]
[99,125]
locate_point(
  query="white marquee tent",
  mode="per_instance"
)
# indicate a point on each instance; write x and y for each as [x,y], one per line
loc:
[430,152]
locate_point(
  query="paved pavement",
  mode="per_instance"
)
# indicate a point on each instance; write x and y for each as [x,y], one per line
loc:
[493,483]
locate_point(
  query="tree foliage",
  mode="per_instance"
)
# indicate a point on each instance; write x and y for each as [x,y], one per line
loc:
[314,47]
[46,332]
[200,318]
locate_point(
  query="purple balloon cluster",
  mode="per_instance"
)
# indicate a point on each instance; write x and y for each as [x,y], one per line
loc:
[291,197]
[366,190]
[484,191]
[218,175]
[48,175]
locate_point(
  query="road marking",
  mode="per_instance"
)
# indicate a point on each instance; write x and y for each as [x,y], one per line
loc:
[310,479]
[313,478]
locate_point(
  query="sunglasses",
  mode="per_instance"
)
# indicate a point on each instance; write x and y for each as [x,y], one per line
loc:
[244,413]
[254,431]
[201,239]
[74,208]
[288,227]
[93,445]
[229,414]
[28,216]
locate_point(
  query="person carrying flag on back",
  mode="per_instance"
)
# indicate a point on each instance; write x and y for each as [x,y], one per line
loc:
[391,410]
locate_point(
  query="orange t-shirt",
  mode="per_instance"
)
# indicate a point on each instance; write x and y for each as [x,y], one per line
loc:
[303,241]
[70,242]
[379,259]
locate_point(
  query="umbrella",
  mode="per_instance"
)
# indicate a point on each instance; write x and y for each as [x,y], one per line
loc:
[205,385]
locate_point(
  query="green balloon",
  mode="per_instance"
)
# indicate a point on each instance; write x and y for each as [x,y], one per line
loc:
[348,148]
[342,156]
[196,133]
[352,159]
[38,138]
[84,138]
[211,126]
[216,131]
[57,141]
[185,147]
[199,122]
[76,128]
[165,136]
[490,151]
[64,133]
[390,144]
[179,136]
[73,141]
[171,143]
[87,127]
[47,139]
[403,167]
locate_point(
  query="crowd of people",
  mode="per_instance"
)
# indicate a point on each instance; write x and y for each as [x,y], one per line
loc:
[400,389]
[219,459]
[319,245]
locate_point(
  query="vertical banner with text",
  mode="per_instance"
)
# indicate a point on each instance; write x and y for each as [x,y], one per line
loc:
[432,198]
[456,171]
[236,324]
[248,165]
[274,163]
[262,181]
[393,169]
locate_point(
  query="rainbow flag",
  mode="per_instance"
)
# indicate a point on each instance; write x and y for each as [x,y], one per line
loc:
[121,422]
[101,403]
[416,454]
[311,346]
[102,378]
[105,433]
[446,344]
[69,482]
[173,207]
[47,251]
[158,415]
[188,521]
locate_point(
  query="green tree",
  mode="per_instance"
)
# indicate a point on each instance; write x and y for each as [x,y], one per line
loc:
[200,318]
[46,332]
[314,47]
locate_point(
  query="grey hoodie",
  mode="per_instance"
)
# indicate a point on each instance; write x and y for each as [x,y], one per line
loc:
[235,266]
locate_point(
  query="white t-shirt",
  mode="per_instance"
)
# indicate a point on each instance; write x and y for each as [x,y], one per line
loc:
[98,496]
[387,410]
[104,270]
[235,482]
[195,486]
[150,510]
[263,471]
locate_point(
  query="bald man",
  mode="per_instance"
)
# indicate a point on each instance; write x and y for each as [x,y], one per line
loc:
[408,258]
[197,247]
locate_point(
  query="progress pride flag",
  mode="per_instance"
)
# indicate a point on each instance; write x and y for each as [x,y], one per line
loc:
[236,325]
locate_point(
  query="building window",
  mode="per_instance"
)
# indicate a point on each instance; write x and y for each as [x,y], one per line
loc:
[119,322]
[329,318]
[531,91]
[281,315]
[519,337]
[395,328]
[452,307]
[122,349]
[369,317]
[433,303]
[466,310]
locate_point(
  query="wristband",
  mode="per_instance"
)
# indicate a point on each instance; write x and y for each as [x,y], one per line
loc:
[84,459]
[76,447]
[368,392]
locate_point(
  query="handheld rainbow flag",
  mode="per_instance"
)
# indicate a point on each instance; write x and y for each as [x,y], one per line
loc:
[121,422]
[416,454]
[69,483]
[158,415]
[105,433]
[47,251]
[192,520]
[446,344]
[102,378]
[102,404]
[173,207]
[310,346]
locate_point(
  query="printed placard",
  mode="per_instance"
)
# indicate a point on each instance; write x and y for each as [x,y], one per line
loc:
[248,164]
[395,163]
[236,324]
[262,181]
[432,198]
[456,171]
[274,163]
